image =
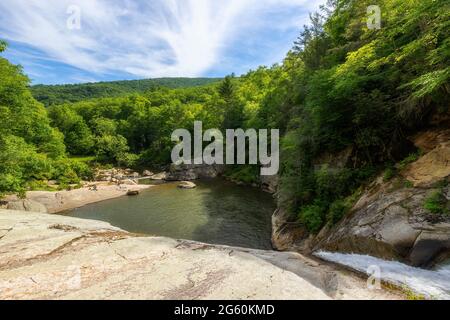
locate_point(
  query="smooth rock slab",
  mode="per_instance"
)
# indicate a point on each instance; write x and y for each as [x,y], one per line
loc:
[27,205]
[55,257]
[54,202]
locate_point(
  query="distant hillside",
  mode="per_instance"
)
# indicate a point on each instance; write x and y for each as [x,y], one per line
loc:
[57,94]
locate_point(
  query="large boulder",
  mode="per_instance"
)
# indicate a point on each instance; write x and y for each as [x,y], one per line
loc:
[159,176]
[27,205]
[147,173]
[104,175]
[135,175]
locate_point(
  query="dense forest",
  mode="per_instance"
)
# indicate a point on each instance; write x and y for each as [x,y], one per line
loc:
[58,94]
[342,88]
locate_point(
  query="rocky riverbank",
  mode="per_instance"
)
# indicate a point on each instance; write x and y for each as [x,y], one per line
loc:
[58,201]
[390,219]
[193,172]
[55,257]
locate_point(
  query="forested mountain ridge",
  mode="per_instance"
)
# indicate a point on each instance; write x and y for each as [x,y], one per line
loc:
[57,94]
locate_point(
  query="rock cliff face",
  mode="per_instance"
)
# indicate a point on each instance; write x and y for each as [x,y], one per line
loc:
[391,225]
[389,220]
[55,257]
[287,235]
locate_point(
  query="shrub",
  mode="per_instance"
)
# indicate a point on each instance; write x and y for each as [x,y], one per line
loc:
[69,177]
[38,185]
[409,159]
[111,148]
[389,173]
[82,169]
[10,182]
[312,217]
[20,163]
[337,211]
[127,159]
[71,171]
[247,174]
[408,184]
[329,183]
[436,203]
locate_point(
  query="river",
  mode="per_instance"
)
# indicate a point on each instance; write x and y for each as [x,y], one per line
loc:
[432,284]
[216,212]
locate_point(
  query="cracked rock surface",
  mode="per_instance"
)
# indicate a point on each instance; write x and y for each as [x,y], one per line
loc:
[55,257]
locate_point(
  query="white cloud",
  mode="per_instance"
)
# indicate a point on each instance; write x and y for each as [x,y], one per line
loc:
[144,38]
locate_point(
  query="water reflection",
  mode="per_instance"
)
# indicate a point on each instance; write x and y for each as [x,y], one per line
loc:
[216,212]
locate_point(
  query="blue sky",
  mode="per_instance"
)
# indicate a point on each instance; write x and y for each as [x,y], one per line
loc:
[134,39]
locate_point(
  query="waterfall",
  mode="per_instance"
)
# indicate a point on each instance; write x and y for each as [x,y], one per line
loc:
[434,284]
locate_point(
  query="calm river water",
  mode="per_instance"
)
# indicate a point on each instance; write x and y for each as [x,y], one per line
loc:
[217,212]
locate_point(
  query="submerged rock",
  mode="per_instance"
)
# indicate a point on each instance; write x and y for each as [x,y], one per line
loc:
[133,192]
[187,185]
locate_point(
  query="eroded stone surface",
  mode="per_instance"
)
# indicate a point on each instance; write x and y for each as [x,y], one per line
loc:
[392,225]
[54,257]
[430,168]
